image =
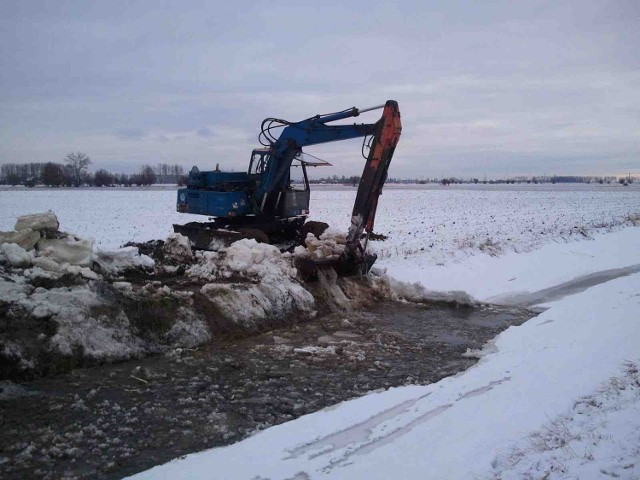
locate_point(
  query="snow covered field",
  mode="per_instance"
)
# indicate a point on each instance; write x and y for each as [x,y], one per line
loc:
[435,222]
[553,398]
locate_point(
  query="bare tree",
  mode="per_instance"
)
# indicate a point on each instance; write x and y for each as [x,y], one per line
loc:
[177,175]
[162,172]
[53,174]
[103,178]
[146,176]
[77,163]
[166,173]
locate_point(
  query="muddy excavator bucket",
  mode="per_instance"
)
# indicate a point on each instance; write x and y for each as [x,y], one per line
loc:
[344,266]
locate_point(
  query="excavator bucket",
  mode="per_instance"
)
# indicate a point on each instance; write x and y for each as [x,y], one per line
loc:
[308,269]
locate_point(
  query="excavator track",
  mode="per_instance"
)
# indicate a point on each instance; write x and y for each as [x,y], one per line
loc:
[221,233]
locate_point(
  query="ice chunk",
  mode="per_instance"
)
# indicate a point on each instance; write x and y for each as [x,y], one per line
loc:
[335,234]
[46,263]
[26,238]
[69,249]
[101,338]
[246,258]
[252,306]
[299,251]
[16,255]
[188,333]
[331,245]
[38,221]
[116,261]
[11,291]
[177,246]
[123,286]
[415,292]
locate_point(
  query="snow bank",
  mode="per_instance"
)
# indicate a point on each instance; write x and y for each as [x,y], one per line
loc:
[598,435]
[91,320]
[91,312]
[63,313]
[496,279]
[86,323]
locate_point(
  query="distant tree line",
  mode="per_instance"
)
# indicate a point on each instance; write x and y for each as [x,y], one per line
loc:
[536,180]
[75,172]
[354,180]
[342,180]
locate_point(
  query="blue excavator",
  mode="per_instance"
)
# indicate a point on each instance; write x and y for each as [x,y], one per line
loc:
[264,203]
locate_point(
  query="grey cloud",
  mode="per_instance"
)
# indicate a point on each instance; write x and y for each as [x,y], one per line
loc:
[205,132]
[130,133]
[489,87]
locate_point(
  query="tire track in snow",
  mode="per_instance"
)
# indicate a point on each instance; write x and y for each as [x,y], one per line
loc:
[360,439]
[576,285]
[358,433]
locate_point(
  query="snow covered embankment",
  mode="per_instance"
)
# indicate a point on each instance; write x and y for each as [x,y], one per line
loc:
[64,305]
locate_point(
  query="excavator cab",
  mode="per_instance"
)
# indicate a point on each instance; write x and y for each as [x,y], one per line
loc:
[258,162]
[293,199]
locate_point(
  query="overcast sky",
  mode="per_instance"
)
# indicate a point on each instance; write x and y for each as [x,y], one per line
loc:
[495,88]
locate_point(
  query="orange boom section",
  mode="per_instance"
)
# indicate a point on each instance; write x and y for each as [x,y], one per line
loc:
[383,144]
[382,152]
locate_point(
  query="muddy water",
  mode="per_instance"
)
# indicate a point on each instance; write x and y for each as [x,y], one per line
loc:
[115,420]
